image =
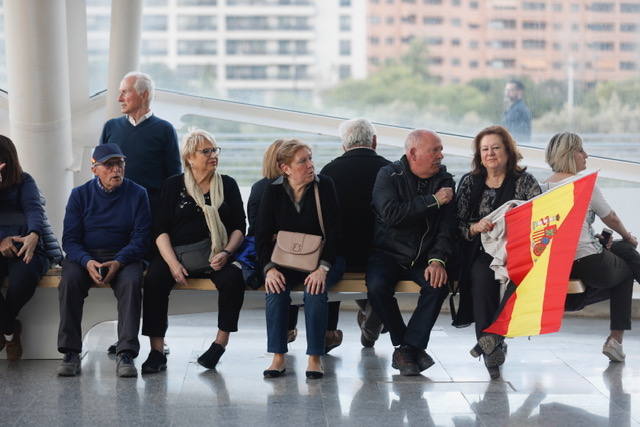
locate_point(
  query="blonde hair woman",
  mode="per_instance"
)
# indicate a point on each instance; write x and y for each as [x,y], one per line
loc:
[606,271]
[198,228]
[289,204]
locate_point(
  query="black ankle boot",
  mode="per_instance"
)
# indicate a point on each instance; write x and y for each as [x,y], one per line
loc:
[209,359]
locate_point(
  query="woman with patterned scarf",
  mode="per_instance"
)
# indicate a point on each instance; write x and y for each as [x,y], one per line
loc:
[199,226]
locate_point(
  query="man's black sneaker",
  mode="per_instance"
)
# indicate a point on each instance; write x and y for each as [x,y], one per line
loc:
[155,363]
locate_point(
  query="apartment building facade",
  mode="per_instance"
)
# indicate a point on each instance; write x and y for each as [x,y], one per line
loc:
[248,50]
[543,39]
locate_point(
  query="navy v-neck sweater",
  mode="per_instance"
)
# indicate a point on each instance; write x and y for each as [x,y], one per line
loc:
[151,149]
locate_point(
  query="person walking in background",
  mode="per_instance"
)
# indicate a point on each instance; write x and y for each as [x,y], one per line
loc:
[516,117]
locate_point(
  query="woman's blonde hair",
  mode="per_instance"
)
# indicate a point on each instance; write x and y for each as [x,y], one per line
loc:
[270,167]
[560,150]
[191,141]
[288,150]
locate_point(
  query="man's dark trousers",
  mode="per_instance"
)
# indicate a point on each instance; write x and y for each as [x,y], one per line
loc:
[383,272]
[74,288]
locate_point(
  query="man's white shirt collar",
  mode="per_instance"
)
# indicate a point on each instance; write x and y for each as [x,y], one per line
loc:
[142,119]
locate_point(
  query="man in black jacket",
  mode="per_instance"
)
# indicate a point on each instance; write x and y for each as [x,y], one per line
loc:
[414,232]
[354,174]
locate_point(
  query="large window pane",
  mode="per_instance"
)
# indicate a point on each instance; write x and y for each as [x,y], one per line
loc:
[98,29]
[3,56]
[429,63]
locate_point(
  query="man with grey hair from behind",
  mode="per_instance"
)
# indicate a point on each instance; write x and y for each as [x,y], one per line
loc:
[150,143]
[354,174]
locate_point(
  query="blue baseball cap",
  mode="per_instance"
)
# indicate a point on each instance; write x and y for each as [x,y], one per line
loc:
[104,152]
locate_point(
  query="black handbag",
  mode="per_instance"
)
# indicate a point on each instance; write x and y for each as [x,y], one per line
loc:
[194,256]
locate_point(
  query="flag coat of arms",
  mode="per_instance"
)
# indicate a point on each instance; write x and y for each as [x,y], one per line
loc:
[541,238]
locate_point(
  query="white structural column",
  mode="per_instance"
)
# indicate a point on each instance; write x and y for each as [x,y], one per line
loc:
[124,47]
[39,107]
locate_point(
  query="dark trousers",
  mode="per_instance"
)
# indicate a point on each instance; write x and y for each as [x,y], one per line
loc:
[485,293]
[159,282]
[277,313]
[383,272]
[23,279]
[609,276]
[74,288]
[629,254]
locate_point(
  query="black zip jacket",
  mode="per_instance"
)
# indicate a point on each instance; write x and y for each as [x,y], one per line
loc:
[409,224]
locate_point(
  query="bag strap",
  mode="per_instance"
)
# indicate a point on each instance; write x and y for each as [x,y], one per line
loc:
[319,209]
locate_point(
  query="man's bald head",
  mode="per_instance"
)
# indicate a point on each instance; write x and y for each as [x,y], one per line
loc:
[423,149]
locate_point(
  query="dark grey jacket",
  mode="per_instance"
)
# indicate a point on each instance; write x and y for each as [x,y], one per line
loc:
[409,224]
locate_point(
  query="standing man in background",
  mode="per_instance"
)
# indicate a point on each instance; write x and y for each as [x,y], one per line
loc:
[517,117]
[149,143]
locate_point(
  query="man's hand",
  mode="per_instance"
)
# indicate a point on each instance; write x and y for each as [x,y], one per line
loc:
[93,268]
[6,247]
[444,195]
[219,260]
[179,273]
[315,281]
[112,269]
[435,274]
[29,244]
[482,226]
[274,282]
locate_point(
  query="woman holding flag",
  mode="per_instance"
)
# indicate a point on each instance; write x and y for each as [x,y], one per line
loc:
[606,271]
[495,179]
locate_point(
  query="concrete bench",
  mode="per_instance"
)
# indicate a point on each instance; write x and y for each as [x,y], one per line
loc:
[40,317]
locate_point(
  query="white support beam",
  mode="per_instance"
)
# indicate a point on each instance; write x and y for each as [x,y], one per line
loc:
[39,106]
[78,77]
[124,47]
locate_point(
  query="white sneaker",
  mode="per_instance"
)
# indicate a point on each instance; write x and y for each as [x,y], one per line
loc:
[613,350]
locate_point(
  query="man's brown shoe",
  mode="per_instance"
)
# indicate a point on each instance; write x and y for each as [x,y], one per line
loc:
[14,347]
[332,339]
[404,359]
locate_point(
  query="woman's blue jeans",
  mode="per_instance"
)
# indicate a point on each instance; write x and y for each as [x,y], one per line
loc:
[277,312]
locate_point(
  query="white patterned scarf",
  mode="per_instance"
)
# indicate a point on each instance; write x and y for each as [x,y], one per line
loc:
[218,232]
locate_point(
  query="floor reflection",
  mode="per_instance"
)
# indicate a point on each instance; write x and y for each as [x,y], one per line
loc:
[552,382]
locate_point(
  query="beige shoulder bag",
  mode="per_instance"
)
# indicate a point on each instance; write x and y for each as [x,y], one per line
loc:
[300,251]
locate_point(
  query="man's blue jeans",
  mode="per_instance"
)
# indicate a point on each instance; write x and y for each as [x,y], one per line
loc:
[277,312]
[383,272]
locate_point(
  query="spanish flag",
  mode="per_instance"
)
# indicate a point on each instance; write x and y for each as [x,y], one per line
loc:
[541,240]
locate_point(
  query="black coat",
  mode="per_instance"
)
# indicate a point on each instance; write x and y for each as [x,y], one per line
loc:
[277,212]
[354,174]
[410,226]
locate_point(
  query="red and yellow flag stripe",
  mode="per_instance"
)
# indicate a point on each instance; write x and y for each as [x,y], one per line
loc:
[540,267]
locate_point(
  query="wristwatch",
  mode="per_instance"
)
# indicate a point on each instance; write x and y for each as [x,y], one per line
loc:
[325,268]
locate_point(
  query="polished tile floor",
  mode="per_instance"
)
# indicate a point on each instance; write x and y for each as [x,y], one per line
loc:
[556,380]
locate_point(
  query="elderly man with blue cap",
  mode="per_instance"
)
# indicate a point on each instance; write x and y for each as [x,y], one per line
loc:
[106,233]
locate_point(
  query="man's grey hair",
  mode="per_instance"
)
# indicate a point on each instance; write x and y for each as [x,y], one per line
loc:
[143,83]
[357,133]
